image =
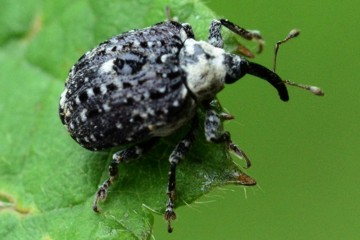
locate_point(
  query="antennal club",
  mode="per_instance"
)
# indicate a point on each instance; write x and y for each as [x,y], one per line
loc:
[292,34]
[313,89]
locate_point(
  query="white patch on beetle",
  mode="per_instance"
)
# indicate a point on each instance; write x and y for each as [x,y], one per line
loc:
[205,68]
[135,112]
[118,125]
[136,43]
[106,107]
[103,89]
[63,98]
[150,111]
[83,115]
[144,115]
[184,92]
[107,67]
[162,90]
[67,113]
[183,34]
[90,92]
[92,137]
[164,57]
[146,95]
[176,103]
[174,50]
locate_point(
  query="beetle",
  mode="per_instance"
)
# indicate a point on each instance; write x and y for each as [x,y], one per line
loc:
[145,84]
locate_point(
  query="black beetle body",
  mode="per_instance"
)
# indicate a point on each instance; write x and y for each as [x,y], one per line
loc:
[145,84]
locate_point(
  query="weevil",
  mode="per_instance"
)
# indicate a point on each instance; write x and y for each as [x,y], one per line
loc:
[145,84]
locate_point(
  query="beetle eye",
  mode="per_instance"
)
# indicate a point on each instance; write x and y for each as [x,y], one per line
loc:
[236,68]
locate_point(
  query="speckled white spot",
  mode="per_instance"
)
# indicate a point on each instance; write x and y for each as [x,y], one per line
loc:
[176,103]
[146,95]
[183,35]
[152,127]
[118,84]
[135,112]
[103,89]
[162,90]
[90,92]
[174,50]
[118,125]
[107,67]
[150,111]
[106,107]
[83,115]
[164,57]
[184,92]
[63,98]
[92,137]
[144,115]
[67,113]
[136,43]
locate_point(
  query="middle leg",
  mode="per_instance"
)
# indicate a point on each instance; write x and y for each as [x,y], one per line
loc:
[214,132]
[178,154]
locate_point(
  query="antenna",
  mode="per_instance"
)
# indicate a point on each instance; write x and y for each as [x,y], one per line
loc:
[313,89]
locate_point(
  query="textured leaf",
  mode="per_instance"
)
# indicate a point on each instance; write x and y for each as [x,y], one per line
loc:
[47,181]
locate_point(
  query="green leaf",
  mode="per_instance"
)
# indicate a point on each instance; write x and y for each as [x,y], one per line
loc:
[47,181]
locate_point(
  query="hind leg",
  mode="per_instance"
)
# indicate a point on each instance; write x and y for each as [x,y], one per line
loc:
[126,155]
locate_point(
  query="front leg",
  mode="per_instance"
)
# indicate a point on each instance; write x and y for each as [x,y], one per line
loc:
[215,133]
[216,39]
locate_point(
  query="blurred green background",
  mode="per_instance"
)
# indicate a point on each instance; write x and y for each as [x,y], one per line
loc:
[305,153]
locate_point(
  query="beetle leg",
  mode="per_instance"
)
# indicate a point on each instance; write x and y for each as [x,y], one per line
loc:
[126,155]
[216,39]
[214,133]
[178,154]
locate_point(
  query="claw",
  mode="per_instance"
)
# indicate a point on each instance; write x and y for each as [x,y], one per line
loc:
[240,153]
[169,215]
[226,116]
[245,179]
[101,194]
